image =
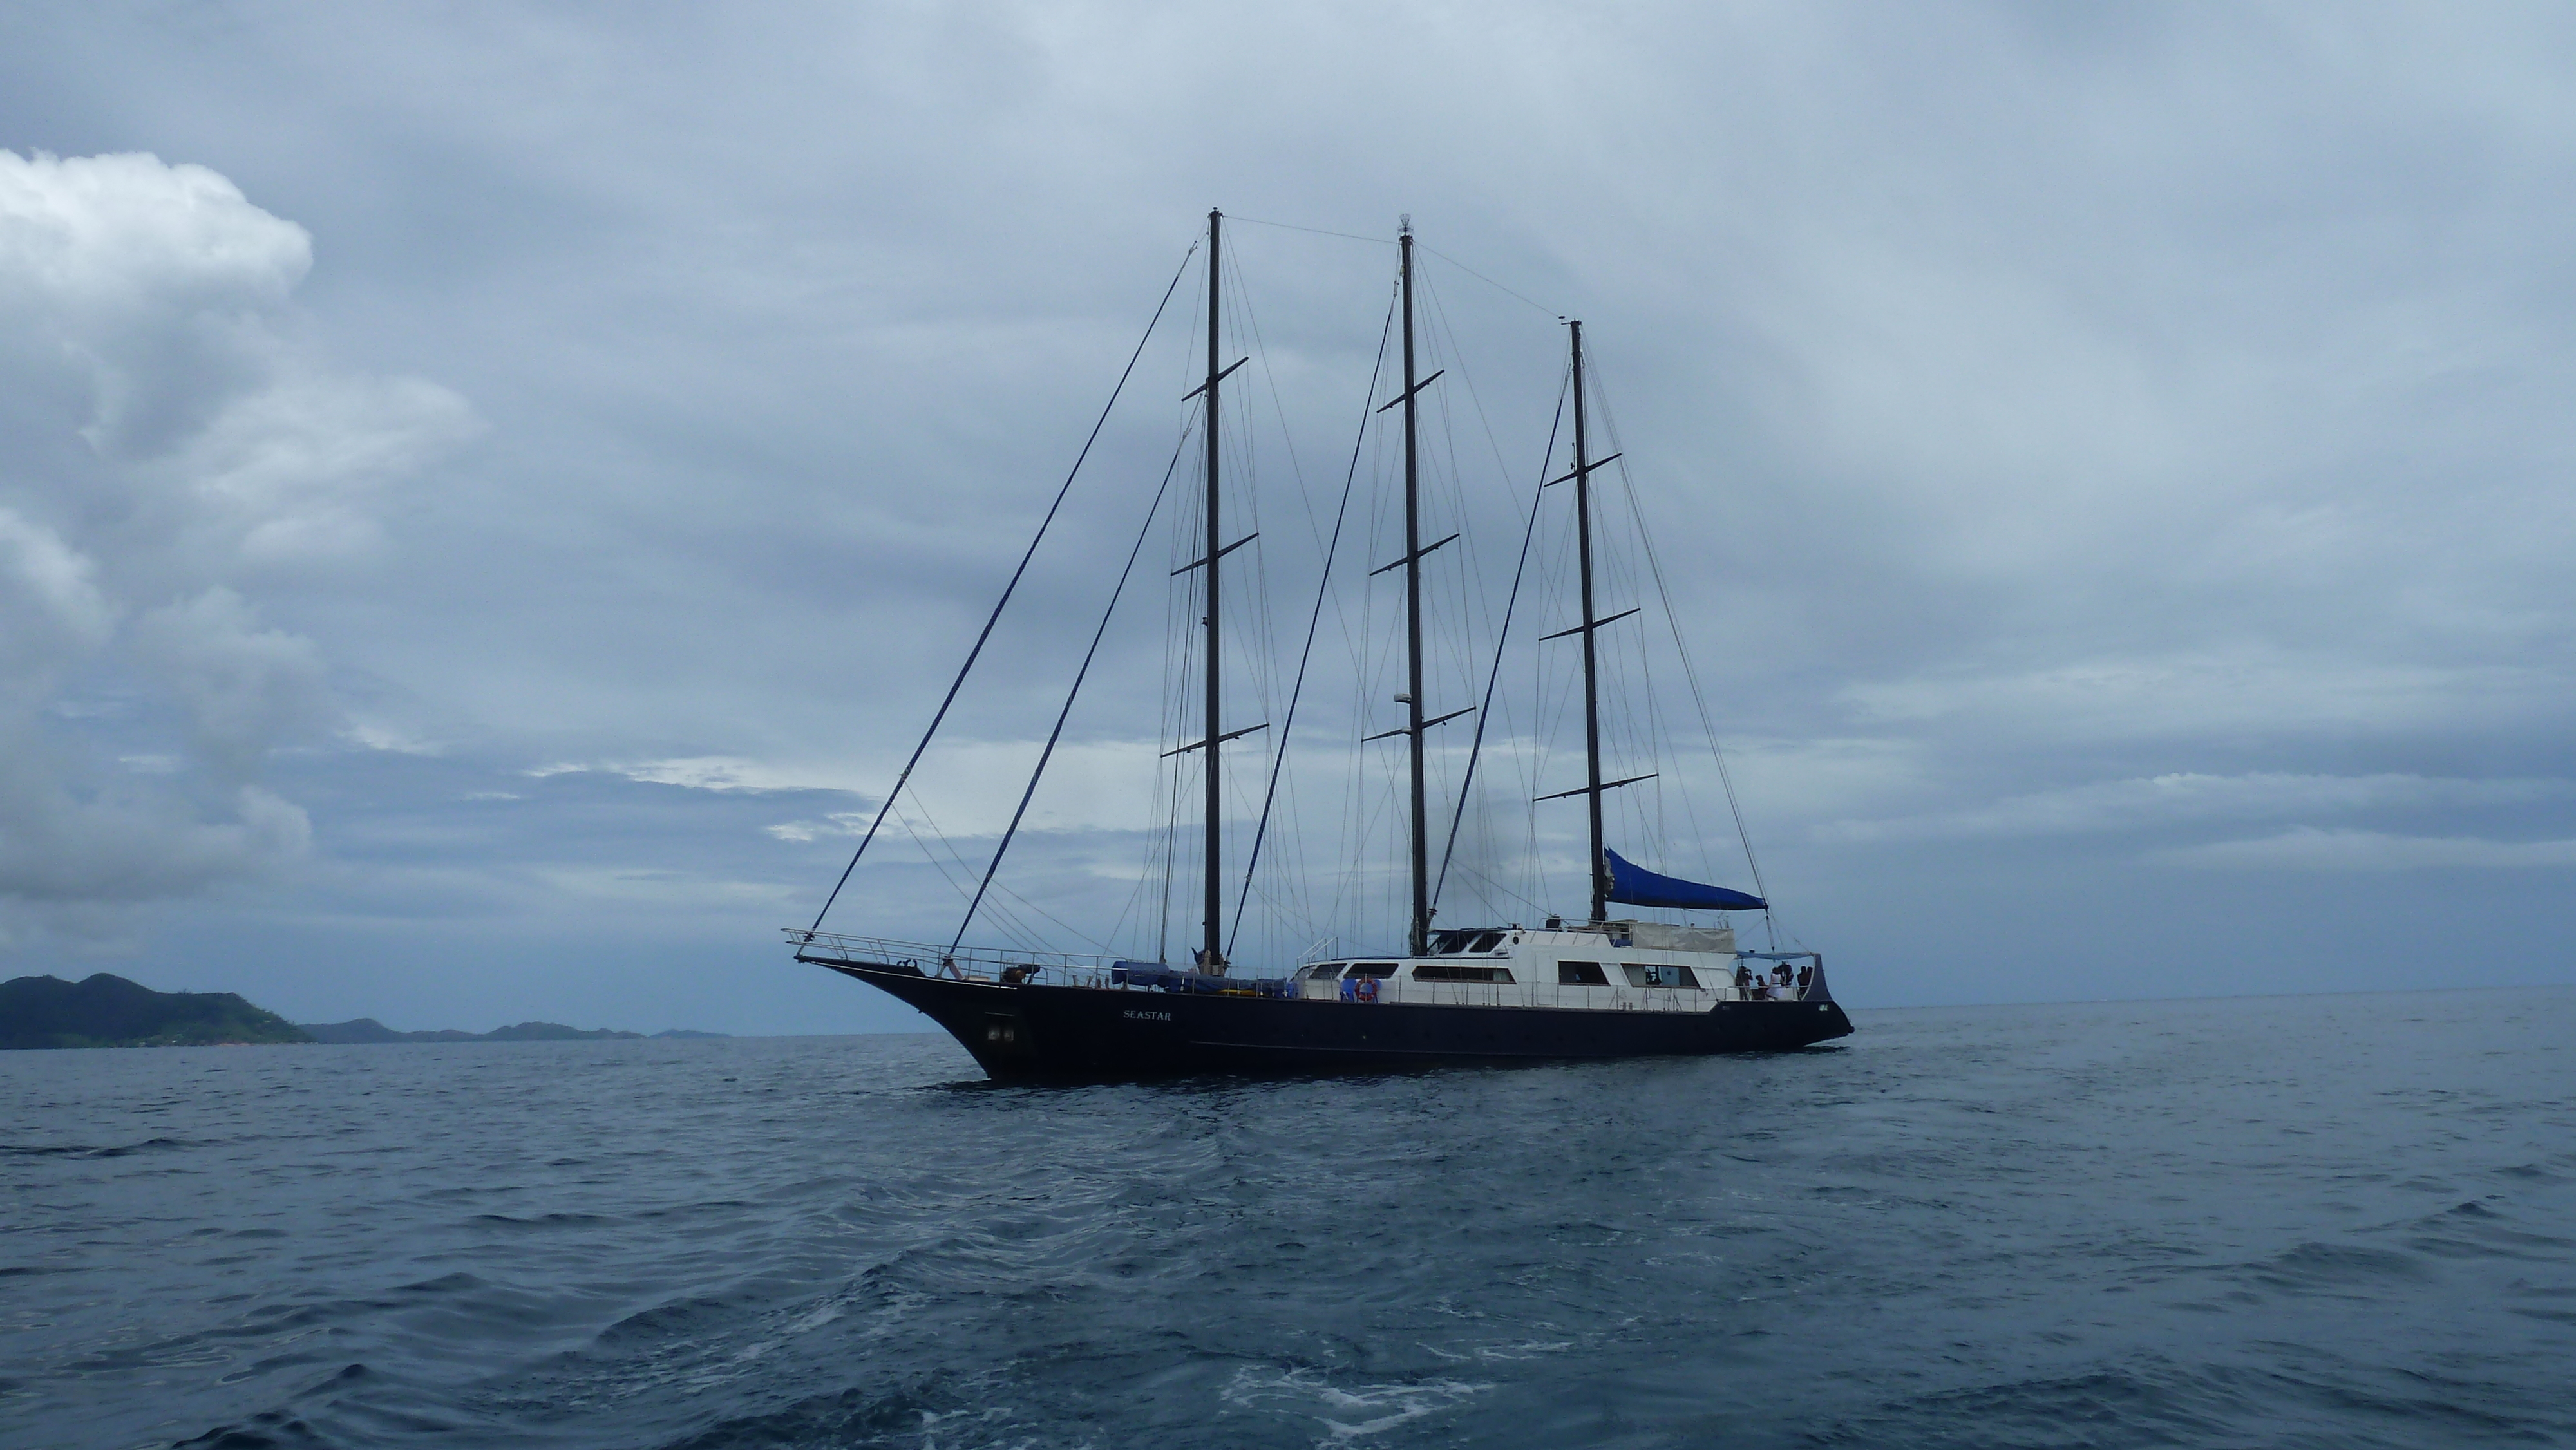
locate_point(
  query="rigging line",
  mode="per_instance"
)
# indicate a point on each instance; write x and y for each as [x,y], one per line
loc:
[1440,314]
[1488,281]
[1171,854]
[1010,925]
[1467,782]
[922,808]
[927,854]
[1291,872]
[1318,231]
[1279,756]
[1070,695]
[1499,887]
[1690,672]
[973,654]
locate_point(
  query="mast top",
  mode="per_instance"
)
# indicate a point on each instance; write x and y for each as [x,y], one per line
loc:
[1404,224]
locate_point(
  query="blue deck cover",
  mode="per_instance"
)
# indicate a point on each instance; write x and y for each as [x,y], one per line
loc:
[1634,885]
[1171,979]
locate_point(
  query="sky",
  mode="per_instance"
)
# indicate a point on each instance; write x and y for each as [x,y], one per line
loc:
[489,496]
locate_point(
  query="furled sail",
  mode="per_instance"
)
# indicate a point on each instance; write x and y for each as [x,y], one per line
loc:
[1634,885]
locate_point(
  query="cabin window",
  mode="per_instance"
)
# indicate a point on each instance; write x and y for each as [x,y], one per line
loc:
[1323,971]
[1373,969]
[1580,974]
[1446,972]
[1657,974]
[1487,941]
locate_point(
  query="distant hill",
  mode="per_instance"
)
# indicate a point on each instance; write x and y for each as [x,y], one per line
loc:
[369,1030]
[109,1011]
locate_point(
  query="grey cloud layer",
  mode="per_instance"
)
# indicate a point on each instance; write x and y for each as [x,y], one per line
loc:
[2170,799]
[2097,434]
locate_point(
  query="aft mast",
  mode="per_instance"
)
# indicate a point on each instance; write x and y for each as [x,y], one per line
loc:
[1591,685]
[1593,785]
[1420,938]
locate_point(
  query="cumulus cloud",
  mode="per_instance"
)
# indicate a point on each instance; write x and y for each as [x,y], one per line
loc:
[118,841]
[167,438]
[244,687]
[51,600]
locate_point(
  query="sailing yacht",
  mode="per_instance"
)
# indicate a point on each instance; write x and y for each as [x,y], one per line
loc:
[1606,985]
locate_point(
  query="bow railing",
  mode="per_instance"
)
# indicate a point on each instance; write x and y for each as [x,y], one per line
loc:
[963,963]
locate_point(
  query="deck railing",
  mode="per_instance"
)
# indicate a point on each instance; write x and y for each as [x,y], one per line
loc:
[1555,994]
[1081,969]
[964,963]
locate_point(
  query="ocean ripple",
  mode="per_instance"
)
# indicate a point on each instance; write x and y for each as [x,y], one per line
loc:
[2297,1222]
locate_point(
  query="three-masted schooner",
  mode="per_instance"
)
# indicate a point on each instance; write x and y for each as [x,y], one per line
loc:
[1603,986]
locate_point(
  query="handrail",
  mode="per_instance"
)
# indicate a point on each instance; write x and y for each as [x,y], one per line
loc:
[999,965]
[1084,969]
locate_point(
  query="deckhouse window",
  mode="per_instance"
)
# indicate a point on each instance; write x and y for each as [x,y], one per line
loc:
[1373,969]
[1657,974]
[1580,974]
[1323,971]
[1487,941]
[1446,972]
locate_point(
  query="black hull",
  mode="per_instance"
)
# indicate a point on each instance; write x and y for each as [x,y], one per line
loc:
[1034,1033]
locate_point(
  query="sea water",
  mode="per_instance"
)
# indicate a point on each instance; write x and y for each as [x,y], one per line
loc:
[2314,1221]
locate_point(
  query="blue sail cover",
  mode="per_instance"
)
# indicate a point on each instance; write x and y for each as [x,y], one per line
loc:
[1634,885]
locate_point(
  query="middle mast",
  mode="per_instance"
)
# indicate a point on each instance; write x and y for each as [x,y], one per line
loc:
[1419,938]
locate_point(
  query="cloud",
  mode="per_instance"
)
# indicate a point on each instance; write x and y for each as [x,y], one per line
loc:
[141,291]
[244,687]
[2163,800]
[839,823]
[51,602]
[2306,848]
[660,888]
[703,772]
[2197,694]
[117,841]
[391,739]
[1090,785]
[167,441]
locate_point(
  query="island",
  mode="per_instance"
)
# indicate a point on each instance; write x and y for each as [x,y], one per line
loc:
[369,1030]
[105,1010]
